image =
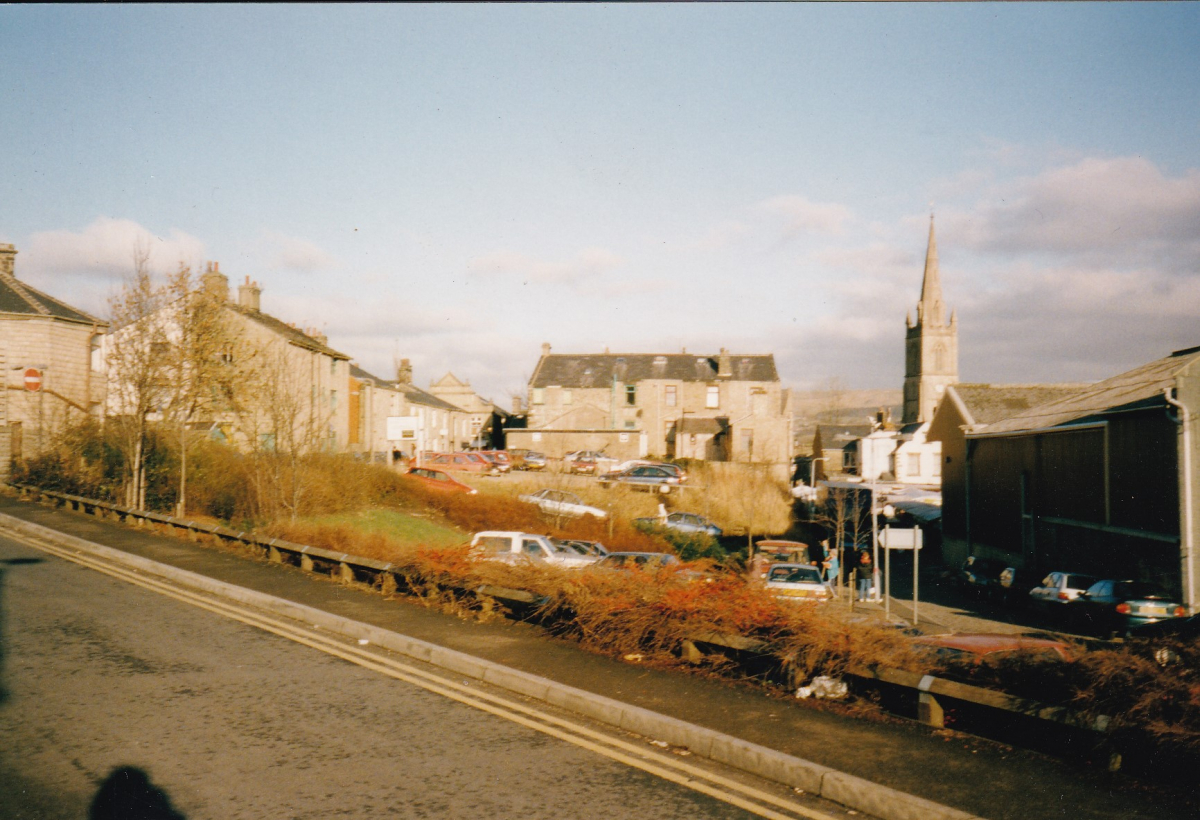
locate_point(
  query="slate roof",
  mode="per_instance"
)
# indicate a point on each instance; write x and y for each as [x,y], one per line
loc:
[17,298]
[844,432]
[1136,389]
[989,403]
[414,394]
[600,369]
[291,334]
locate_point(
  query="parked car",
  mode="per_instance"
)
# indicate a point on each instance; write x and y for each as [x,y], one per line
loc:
[559,502]
[981,576]
[1169,641]
[438,480]
[1014,586]
[466,462]
[1112,607]
[527,459]
[975,647]
[638,560]
[769,552]
[519,547]
[680,522]
[649,477]
[797,582]
[497,457]
[584,547]
[1058,589]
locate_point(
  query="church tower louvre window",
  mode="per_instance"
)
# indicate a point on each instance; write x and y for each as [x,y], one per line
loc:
[931,344]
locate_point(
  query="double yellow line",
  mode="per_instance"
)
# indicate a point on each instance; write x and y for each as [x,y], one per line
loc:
[665,766]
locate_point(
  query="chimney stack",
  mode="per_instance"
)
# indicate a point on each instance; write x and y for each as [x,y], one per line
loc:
[724,365]
[518,405]
[248,294]
[8,255]
[214,282]
[404,372]
[545,349]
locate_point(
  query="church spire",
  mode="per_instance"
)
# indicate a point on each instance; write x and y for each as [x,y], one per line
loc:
[931,308]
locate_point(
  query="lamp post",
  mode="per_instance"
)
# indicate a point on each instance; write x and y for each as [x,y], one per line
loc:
[888,512]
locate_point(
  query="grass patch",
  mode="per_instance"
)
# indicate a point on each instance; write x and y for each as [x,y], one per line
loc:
[405,528]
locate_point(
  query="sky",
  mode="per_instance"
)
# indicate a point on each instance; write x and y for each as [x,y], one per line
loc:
[457,184]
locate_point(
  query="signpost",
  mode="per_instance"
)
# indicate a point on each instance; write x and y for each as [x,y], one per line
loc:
[906,540]
[33,380]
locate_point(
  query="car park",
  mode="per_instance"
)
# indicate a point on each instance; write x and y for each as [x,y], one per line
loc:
[522,547]
[438,480]
[684,522]
[648,477]
[560,502]
[797,582]
[1113,607]
[1058,589]
[497,457]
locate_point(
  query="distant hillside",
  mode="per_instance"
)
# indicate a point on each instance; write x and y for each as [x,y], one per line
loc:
[813,407]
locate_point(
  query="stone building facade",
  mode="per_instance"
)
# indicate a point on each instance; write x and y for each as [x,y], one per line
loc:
[727,407]
[60,343]
[423,421]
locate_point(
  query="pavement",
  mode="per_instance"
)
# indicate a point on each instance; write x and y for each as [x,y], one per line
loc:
[958,772]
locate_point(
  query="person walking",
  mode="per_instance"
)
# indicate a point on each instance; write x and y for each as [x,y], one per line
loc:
[864,570]
[832,568]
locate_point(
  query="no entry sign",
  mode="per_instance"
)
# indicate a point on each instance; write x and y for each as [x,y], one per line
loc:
[33,380]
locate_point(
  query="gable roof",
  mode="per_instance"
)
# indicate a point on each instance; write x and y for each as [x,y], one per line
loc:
[601,369]
[983,404]
[291,334]
[1140,388]
[412,393]
[17,298]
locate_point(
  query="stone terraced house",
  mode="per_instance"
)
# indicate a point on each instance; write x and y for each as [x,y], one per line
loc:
[41,333]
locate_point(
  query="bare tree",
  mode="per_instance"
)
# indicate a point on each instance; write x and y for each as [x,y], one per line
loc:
[199,335]
[137,368]
[844,513]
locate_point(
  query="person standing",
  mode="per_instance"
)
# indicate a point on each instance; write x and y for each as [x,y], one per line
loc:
[864,570]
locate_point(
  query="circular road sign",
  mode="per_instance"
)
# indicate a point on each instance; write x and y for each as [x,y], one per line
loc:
[33,380]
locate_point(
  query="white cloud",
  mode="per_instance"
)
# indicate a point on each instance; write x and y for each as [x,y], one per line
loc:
[587,264]
[84,268]
[1123,205]
[794,216]
[106,248]
[282,252]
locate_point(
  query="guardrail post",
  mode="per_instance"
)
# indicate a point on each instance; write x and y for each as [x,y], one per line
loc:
[929,711]
[386,583]
[306,563]
[344,572]
[690,652]
[274,555]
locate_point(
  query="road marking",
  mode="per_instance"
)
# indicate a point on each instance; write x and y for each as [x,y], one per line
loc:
[666,767]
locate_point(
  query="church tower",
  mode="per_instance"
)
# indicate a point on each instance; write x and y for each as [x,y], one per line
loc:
[931,345]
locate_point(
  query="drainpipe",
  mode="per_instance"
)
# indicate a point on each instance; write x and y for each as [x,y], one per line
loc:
[1185,419]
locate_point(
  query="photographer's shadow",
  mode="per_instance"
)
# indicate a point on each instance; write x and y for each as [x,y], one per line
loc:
[128,794]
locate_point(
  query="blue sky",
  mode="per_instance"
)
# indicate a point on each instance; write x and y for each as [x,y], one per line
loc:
[458,184]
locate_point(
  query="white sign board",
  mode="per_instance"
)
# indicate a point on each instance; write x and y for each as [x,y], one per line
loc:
[400,428]
[900,539]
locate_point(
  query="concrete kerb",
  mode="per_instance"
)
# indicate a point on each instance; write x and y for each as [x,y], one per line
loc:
[852,792]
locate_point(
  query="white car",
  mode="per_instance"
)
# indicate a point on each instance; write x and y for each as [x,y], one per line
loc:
[522,547]
[558,502]
[797,582]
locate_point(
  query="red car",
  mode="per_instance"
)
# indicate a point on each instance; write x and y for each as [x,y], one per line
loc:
[437,480]
[467,462]
[977,646]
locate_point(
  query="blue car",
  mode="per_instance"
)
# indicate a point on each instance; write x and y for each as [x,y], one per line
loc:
[680,522]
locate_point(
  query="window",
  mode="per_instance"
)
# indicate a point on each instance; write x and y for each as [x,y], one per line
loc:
[333,400]
[538,396]
[630,425]
[914,463]
[672,396]
[631,394]
[713,400]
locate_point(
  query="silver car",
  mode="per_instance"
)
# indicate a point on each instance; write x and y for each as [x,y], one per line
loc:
[1059,589]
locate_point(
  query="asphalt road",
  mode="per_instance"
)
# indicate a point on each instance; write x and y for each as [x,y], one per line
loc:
[228,721]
